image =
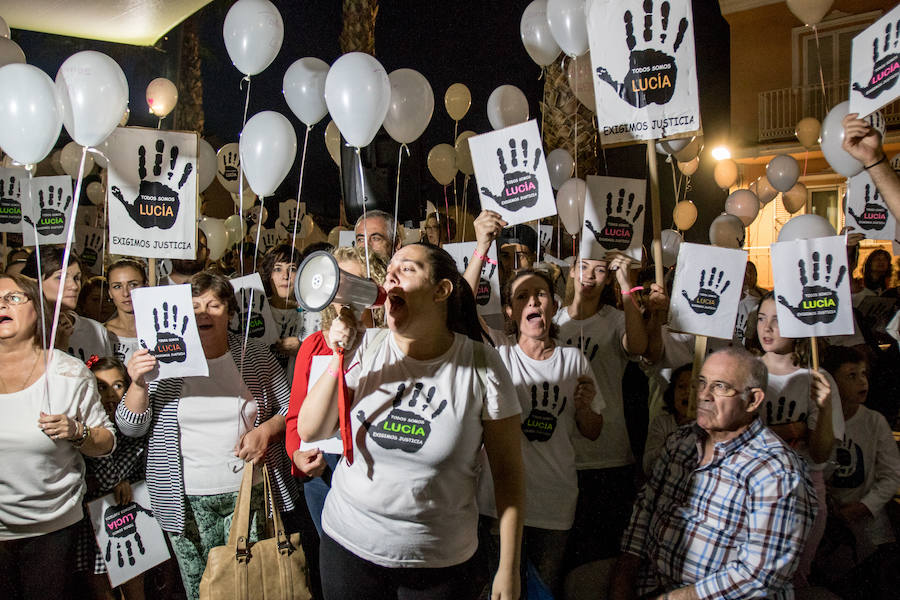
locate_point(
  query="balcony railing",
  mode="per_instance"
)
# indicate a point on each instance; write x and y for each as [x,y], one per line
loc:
[780,110]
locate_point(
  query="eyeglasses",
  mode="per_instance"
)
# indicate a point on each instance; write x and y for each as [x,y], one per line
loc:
[14,298]
[719,389]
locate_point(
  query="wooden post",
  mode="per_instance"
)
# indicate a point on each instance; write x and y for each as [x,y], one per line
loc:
[814,353]
[699,355]
[151,268]
[656,244]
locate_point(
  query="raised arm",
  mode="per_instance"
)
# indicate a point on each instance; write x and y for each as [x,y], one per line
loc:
[133,413]
[635,339]
[488,226]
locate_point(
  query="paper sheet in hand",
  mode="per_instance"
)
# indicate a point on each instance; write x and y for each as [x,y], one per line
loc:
[875,65]
[487,296]
[165,322]
[332,445]
[613,217]
[251,298]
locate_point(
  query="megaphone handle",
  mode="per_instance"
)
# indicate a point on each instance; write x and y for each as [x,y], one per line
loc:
[344,410]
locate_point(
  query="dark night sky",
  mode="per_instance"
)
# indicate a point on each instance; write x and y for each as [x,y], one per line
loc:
[469,41]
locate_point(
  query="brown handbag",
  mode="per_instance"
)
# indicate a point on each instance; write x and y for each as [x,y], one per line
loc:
[270,569]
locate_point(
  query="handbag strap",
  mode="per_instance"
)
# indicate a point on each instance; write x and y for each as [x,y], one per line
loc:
[285,548]
[239,534]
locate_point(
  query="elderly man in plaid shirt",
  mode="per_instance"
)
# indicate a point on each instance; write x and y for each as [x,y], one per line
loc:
[728,507]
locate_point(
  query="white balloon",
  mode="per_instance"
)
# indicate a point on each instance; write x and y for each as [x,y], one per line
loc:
[94,192]
[358,95]
[568,24]
[228,167]
[804,227]
[92,93]
[253,32]
[216,236]
[671,147]
[506,106]
[304,89]
[70,159]
[162,96]
[29,115]
[4,29]
[570,201]
[235,229]
[10,52]
[727,231]
[833,138]
[536,36]
[411,106]
[783,171]
[268,148]
[671,242]
[560,166]
[206,164]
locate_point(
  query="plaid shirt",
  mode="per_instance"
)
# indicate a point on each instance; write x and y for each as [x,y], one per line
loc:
[732,528]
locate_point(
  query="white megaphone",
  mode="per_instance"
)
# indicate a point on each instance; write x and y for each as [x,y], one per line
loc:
[321,282]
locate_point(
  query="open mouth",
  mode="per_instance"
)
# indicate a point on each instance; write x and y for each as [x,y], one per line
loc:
[533,315]
[395,299]
[4,319]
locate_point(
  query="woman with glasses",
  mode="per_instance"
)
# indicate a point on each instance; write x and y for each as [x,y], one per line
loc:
[123,277]
[52,417]
[803,407]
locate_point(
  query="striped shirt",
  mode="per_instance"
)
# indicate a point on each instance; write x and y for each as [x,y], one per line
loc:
[165,477]
[732,528]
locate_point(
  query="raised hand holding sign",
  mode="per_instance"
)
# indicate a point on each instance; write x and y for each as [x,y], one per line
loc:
[164,316]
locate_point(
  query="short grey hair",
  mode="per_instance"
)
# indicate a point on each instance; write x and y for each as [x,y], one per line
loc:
[754,367]
[375,214]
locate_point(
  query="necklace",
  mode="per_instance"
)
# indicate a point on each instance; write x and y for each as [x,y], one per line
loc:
[27,377]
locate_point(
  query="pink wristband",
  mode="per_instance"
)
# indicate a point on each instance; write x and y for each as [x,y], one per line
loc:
[484,257]
[332,372]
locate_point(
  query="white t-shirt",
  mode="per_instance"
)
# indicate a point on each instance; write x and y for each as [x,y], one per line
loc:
[213,413]
[42,480]
[124,347]
[602,343]
[288,322]
[788,401]
[546,392]
[408,499]
[89,338]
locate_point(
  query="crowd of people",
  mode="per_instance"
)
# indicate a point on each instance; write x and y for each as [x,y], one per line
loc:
[427,453]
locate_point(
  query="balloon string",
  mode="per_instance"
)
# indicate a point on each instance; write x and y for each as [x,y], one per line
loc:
[246,316]
[241,179]
[537,225]
[821,74]
[805,162]
[397,191]
[45,404]
[447,212]
[362,192]
[159,123]
[465,223]
[299,189]
[575,141]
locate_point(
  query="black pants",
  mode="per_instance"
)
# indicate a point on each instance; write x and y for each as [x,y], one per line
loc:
[37,567]
[346,576]
[605,498]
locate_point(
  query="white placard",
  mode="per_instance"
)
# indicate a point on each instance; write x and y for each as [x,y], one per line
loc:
[152,193]
[511,172]
[875,65]
[614,217]
[707,290]
[487,296]
[10,199]
[164,317]
[50,209]
[347,239]
[89,247]
[545,236]
[334,444]
[128,536]
[256,304]
[865,210]
[812,287]
[644,68]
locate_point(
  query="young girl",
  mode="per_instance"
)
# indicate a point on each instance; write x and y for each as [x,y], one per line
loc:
[112,474]
[803,407]
[676,399]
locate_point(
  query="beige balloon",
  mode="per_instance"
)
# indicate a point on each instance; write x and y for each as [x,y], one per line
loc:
[691,150]
[690,167]
[457,100]
[795,198]
[578,73]
[810,12]
[333,142]
[764,190]
[807,132]
[70,160]
[334,236]
[162,96]
[725,173]
[464,154]
[442,163]
[684,215]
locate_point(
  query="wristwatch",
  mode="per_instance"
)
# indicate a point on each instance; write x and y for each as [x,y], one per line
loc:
[85,435]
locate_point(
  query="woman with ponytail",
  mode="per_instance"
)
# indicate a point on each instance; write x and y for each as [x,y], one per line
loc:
[401,518]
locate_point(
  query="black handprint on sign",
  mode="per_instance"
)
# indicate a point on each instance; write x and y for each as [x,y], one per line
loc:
[520,186]
[238,322]
[121,528]
[851,470]
[706,302]
[740,326]
[483,293]
[91,249]
[268,239]
[885,69]
[10,207]
[619,228]
[651,71]
[53,219]
[874,214]
[157,203]
[231,163]
[540,424]
[818,301]
[585,344]
[404,429]
[170,346]
[781,412]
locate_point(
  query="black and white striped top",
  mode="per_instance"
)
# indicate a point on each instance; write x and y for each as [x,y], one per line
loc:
[165,478]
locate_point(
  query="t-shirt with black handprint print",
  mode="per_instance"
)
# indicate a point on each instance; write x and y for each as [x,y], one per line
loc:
[788,401]
[409,497]
[546,393]
[123,347]
[89,338]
